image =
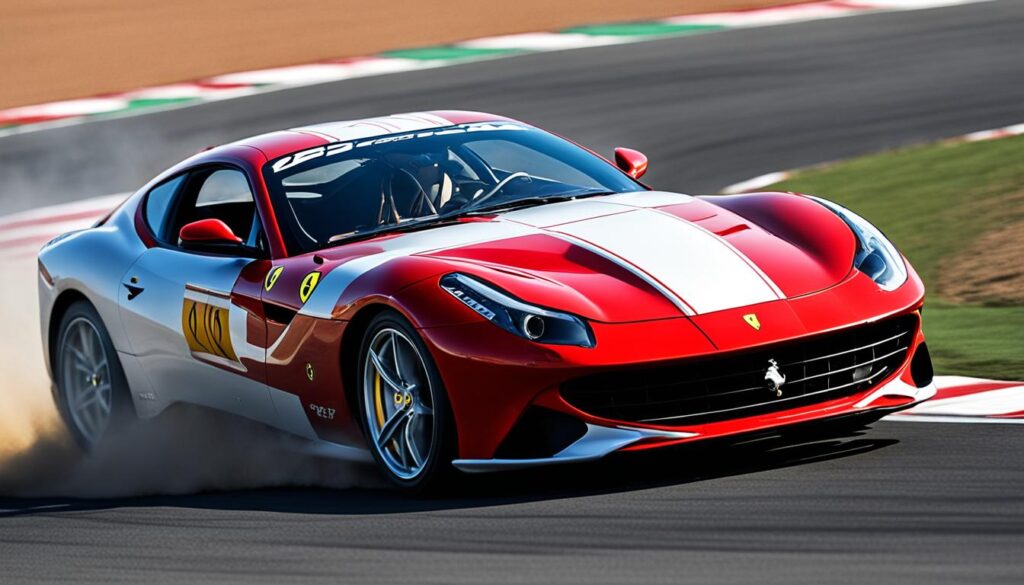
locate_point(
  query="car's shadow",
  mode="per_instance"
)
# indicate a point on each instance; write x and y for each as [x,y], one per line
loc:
[635,471]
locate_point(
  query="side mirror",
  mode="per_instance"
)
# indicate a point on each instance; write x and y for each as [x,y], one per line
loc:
[212,235]
[632,162]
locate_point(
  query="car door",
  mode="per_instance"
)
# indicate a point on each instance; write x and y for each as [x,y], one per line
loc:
[192,318]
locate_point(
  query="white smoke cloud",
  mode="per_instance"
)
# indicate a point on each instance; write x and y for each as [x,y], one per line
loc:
[185,450]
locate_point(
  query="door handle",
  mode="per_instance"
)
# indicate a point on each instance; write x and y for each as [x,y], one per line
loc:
[133,287]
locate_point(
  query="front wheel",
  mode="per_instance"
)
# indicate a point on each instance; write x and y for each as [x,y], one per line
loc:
[91,391]
[405,408]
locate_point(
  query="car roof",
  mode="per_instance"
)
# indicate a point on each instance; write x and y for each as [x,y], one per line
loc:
[276,144]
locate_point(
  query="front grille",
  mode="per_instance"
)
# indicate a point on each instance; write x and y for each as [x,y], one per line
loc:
[817,369]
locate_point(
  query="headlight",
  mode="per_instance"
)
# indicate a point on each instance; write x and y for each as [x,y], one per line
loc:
[515,316]
[876,256]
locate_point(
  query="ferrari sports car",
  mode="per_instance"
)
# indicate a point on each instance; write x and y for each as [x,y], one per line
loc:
[461,291]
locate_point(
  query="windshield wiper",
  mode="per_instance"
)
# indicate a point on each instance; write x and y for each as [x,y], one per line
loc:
[452,217]
[390,228]
[531,202]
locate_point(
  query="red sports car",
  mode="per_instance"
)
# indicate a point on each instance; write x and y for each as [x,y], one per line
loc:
[461,291]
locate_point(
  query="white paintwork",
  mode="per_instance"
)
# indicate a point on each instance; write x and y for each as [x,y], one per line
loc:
[898,387]
[153,325]
[648,199]
[544,216]
[694,269]
[369,127]
[695,265]
[332,286]
[597,442]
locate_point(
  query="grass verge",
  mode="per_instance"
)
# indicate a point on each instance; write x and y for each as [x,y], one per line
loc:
[937,203]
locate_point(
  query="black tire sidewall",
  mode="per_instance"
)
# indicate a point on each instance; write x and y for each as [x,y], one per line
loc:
[438,467]
[121,407]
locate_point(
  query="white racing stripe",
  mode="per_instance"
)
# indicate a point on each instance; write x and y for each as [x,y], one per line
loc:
[366,128]
[334,284]
[696,267]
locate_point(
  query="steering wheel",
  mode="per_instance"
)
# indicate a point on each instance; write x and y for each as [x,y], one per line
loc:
[501,185]
[422,197]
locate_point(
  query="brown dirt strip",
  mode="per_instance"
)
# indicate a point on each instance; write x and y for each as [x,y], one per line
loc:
[989,271]
[61,49]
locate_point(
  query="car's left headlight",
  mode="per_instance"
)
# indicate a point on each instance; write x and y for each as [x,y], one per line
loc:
[876,256]
[515,316]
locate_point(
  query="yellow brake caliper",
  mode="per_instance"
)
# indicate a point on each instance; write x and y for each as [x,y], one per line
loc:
[378,401]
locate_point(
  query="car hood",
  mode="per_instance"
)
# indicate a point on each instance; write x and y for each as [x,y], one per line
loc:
[618,258]
[652,255]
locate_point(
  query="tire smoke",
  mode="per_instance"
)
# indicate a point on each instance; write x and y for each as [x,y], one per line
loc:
[185,450]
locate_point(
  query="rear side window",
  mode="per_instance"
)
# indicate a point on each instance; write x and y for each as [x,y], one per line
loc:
[158,205]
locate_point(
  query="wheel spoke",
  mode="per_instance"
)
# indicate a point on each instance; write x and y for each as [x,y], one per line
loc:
[104,392]
[410,445]
[394,357]
[83,339]
[392,426]
[85,378]
[403,436]
[86,401]
[385,375]
[82,359]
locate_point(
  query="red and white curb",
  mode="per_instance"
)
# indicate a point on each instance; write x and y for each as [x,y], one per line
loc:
[766,180]
[241,84]
[959,399]
[22,234]
[970,400]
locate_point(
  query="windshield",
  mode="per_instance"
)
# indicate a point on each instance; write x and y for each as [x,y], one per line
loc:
[344,190]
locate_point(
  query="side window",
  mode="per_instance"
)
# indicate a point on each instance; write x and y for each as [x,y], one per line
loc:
[223,187]
[222,194]
[158,206]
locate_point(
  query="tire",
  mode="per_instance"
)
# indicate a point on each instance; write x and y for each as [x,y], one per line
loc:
[397,402]
[91,391]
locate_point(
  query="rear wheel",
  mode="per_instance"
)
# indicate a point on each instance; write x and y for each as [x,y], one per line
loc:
[405,409]
[92,394]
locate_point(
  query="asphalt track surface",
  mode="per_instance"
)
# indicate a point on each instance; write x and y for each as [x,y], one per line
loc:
[901,503]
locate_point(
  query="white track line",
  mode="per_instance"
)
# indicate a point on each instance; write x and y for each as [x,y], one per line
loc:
[761,181]
[234,85]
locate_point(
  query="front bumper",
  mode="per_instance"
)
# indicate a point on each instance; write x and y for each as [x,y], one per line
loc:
[493,379]
[599,441]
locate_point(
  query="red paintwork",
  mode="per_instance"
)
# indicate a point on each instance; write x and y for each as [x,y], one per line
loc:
[632,162]
[208,231]
[490,375]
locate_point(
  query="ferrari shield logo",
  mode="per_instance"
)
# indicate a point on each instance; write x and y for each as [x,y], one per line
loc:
[308,284]
[751,320]
[271,279]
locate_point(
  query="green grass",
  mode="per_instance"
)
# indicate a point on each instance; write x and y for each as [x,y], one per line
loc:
[933,201]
